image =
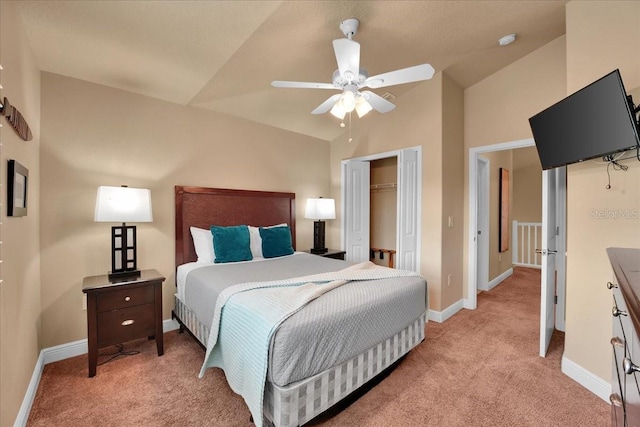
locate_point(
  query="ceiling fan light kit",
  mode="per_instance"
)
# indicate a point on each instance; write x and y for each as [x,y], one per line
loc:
[350,78]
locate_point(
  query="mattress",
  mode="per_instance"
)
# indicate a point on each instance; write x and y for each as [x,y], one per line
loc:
[311,341]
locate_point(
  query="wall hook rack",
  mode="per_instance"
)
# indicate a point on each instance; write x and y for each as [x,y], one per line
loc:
[16,119]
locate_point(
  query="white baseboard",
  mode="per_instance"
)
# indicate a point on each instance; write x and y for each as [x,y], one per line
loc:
[591,382]
[170,325]
[536,266]
[55,354]
[441,316]
[30,394]
[496,281]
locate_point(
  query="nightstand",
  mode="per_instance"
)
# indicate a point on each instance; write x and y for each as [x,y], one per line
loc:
[333,253]
[122,310]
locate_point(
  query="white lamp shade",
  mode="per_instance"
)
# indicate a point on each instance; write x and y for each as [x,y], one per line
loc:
[123,204]
[338,110]
[320,209]
[348,101]
[362,106]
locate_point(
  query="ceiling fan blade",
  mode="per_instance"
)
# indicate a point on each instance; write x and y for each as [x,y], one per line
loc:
[398,77]
[348,58]
[327,105]
[378,103]
[303,85]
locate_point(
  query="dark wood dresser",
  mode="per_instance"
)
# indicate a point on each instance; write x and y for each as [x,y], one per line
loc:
[625,384]
[122,310]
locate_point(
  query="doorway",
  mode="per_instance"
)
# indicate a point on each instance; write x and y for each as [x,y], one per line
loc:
[476,249]
[383,212]
[356,203]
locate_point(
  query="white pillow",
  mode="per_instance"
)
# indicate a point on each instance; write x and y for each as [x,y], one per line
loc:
[256,240]
[203,243]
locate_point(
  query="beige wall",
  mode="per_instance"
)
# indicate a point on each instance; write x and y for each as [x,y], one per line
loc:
[419,121]
[497,109]
[20,320]
[527,185]
[601,36]
[452,191]
[94,135]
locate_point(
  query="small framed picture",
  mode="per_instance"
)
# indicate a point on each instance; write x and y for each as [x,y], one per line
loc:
[18,179]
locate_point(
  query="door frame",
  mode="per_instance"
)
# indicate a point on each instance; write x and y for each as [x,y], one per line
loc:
[417,207]
[561,247]
[471,301]
[561,211]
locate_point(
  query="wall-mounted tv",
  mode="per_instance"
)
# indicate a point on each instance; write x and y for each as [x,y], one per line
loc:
[594,122]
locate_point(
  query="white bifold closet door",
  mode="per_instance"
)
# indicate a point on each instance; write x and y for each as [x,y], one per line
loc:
[357,210]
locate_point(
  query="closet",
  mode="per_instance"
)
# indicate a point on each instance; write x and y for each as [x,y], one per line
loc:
[383,212]
[393,221]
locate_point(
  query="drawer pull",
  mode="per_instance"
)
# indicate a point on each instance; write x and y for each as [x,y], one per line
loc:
[617,342]
[615,400]
[629,367]
[617,312]
[611,285]
[127,299]
[127,322]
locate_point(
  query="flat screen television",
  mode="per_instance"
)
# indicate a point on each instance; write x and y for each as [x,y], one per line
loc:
[596,121]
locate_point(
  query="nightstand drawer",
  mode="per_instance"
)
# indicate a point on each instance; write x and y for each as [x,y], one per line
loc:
[123,298]
[123,325]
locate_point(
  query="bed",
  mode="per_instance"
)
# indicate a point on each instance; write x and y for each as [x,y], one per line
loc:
[327,349]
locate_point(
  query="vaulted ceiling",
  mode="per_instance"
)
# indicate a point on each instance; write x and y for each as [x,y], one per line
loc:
[223,55]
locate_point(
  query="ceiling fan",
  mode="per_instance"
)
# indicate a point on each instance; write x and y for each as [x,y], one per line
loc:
[350,78]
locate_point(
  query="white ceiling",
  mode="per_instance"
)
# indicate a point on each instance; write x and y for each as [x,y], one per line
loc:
[222,55]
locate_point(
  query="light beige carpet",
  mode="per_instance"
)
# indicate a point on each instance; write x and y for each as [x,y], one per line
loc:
[479,368]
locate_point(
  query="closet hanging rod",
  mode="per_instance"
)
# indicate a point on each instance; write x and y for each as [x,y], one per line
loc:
[379,186]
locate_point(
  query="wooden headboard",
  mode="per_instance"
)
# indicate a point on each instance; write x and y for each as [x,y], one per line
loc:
[203,207]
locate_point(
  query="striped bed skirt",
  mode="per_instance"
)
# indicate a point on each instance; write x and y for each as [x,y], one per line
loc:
[299,402]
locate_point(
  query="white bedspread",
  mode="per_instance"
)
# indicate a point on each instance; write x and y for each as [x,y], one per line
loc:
[244,323]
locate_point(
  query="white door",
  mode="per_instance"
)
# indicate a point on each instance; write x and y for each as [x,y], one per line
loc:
[548,251]
[357,178]
[408,210]
[561,246]
[482,235]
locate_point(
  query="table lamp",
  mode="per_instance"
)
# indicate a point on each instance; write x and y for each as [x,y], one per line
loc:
[123,204]
[319,210]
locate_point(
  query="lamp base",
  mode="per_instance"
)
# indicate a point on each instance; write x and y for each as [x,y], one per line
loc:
[117,276]
[318,238]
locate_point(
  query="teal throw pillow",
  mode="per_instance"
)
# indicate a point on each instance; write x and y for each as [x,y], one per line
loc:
[276,241]
[231,244]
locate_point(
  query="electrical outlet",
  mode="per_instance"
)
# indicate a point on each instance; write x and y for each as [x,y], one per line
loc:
[499,257]
[84,301]
[449,280]
[450,222]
